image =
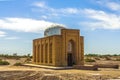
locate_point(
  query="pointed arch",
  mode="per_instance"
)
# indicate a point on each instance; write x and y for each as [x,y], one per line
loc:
[70,52]
[70,48]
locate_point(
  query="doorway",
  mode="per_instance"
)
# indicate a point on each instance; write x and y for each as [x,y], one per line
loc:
[70,53]
[69,59]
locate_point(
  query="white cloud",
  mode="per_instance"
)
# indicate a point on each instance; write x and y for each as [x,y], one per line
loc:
[61,11]
[40,4]
[44,17]
[2,34]
[43,6]
[24,24]
[12,38]
[93,18]
[101,19]
[70,10]
[113,6]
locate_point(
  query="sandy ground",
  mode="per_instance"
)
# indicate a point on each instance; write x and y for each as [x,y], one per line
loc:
[33,73]
[25,73]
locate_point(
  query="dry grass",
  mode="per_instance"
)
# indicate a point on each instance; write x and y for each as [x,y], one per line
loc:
[31,73]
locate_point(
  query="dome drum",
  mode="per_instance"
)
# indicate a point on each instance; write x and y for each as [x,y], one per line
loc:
[53,30]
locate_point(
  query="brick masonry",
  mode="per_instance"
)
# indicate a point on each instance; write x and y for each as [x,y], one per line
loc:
[53,50]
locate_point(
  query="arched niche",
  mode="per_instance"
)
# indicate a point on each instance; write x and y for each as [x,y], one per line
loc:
[70,53]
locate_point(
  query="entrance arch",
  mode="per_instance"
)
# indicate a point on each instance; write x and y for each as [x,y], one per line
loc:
[70,52]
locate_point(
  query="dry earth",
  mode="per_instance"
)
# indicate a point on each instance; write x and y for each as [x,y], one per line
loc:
[31,73]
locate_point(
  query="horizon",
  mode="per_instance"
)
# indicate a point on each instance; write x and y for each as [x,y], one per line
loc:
[21,21]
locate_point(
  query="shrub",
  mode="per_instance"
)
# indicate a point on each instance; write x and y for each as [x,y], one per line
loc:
[107,58]
[89,60]
[97,58]
[92,55]
[4,62]
[28,60]
[18,64]
[118,59]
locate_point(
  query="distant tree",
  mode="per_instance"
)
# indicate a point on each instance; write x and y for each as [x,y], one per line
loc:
[115,55]
[28,55]
[92,55]
[14,54]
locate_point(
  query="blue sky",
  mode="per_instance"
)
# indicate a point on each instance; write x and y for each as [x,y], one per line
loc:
[21,21]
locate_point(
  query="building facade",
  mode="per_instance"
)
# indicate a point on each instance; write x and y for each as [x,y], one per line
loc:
[64,48]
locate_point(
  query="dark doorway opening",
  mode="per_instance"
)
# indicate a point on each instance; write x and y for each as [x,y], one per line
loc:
[69,59]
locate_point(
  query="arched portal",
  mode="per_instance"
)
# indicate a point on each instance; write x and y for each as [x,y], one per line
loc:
[70,52]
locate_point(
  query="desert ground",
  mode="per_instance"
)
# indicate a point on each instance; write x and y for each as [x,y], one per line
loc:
[12,72]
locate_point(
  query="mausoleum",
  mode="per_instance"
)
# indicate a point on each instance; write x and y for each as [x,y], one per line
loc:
[60,46]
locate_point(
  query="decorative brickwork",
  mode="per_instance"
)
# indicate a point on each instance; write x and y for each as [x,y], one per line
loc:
[66,49]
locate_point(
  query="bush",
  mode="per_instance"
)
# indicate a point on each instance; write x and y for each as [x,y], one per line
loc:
[4,62]
[107,58]
[97,58]
[118,59]
[18,64]
[28,60]
[89,60]
[92,55]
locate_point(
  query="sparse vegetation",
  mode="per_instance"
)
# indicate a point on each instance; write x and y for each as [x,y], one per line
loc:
[103,57]
[92,55]
[118,59]
[89,60]
[97,58]
[100,55]
[18,64]
[4,62]
[14,56]
[107,58]
[28,60]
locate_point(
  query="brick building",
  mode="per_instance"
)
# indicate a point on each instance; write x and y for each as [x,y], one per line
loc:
[59,47]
